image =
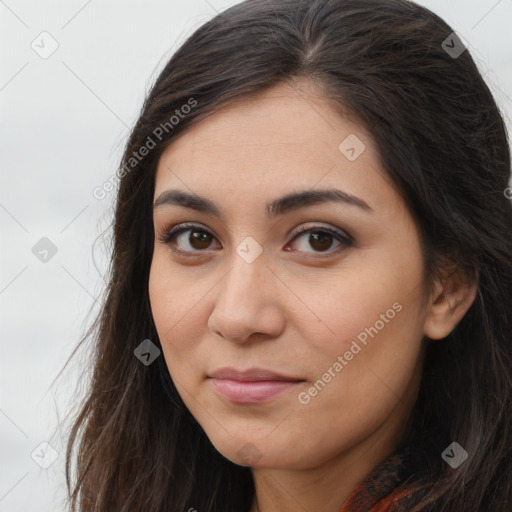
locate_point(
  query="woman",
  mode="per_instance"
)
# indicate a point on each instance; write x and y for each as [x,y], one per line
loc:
[310,298]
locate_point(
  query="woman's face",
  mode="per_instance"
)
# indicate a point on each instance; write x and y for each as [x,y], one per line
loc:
[338,311]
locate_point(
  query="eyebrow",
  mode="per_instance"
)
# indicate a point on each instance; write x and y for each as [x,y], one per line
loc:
[280,206]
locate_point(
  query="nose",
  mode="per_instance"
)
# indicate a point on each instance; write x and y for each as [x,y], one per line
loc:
[247,303]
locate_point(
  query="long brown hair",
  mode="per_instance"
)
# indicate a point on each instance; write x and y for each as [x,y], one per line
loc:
[443,142]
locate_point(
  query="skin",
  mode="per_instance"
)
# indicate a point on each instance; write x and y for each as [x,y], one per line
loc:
[294,310]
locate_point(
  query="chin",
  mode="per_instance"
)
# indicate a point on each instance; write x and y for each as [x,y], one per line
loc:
[264,453]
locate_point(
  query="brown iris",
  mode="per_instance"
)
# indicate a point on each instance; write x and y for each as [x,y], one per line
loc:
[202,238]
[320,241]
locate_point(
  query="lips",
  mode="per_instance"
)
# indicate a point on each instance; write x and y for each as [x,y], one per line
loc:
[255,385]
[252,374]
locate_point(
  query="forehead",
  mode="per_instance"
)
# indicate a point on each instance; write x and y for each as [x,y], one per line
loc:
[286,138]
[283,118]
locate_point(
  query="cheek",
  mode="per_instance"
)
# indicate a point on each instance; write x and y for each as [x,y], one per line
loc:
[364,345]
[355,307]
[172,302]
[371,358]
[354,386]
[374,288]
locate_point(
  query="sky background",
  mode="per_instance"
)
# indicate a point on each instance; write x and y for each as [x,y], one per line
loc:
[64,120]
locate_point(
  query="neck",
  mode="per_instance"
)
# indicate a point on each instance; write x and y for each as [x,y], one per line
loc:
[322,489]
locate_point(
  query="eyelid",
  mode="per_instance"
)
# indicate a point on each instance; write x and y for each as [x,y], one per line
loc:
[318,227]
[170,233]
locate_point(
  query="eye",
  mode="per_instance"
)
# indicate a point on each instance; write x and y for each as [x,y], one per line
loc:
[199,239]
[321,239]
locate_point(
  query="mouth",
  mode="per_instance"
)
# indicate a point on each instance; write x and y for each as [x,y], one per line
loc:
[256,385]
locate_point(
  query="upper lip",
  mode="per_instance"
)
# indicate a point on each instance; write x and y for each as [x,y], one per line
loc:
[251,374]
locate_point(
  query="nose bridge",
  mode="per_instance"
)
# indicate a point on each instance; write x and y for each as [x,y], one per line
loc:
[244,284]
[245,303]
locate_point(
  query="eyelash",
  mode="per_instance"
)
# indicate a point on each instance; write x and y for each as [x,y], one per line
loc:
[171,233]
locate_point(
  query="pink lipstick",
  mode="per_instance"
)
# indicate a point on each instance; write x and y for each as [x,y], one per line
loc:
[256,385]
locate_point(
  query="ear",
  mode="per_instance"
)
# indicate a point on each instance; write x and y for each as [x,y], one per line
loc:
[449,303]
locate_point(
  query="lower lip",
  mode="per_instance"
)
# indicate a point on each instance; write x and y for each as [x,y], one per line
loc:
[251,392]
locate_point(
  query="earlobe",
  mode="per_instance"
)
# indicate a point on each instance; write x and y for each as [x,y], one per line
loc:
[450,302]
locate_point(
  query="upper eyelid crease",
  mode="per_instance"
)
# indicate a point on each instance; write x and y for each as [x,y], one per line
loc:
[190,226]
[290,202]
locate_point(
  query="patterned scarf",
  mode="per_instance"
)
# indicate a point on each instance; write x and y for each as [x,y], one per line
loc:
[385,488]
